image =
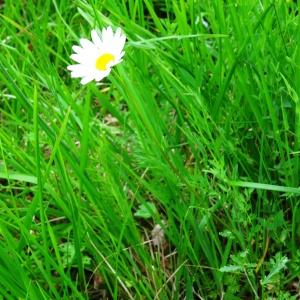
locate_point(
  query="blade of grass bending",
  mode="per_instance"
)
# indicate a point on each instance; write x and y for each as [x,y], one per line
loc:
[84,142]
[264,186]
[216,108]
[297,105]
[39,191]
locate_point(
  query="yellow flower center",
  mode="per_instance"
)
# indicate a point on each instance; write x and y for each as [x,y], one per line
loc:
[103,60]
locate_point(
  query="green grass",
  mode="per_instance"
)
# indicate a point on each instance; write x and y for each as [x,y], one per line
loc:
[197,131]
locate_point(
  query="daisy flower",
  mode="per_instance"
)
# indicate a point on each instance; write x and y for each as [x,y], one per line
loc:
[96,58]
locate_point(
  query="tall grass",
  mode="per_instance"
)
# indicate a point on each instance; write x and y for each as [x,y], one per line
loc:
[176,177]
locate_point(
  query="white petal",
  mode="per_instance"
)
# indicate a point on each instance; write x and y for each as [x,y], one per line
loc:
[87,79]
[77,49]
[87,57]
[122,40]
[107,36]
[120,55]
[79,74]
[96,39]
[119,44]
[118,33]
[75,67]
[109,31]
[101,75]
[117,61]
[80,71]
[86,44]
[103,35]
[79,58]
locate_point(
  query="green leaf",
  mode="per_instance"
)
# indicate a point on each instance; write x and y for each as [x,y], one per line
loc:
[231,268]
[279,263]
[146,210]
[18,177]
[68,253]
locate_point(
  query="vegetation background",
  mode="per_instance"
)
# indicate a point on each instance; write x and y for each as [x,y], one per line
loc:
[176,177]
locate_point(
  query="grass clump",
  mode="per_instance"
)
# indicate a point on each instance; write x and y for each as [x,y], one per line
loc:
[176,177]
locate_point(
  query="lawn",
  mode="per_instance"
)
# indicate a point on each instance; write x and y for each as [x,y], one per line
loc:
[176,176]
